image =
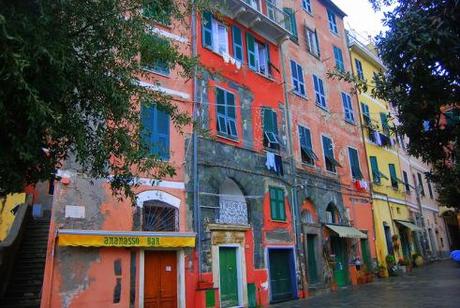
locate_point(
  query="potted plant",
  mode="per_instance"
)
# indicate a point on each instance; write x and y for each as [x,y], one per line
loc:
[391,263]
[408,264]
[417,260]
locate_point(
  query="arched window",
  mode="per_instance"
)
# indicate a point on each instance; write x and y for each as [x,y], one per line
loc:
[232,204]
[159,216]
[332,215]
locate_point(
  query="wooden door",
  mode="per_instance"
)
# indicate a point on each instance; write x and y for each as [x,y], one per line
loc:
[228,277]
[280,275]
[160,279]
[341,264]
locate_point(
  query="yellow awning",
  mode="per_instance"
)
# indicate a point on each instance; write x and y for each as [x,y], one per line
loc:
[409,225]
[101,238]
[347,232]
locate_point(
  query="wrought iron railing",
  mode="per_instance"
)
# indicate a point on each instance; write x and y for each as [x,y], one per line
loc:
[272,11]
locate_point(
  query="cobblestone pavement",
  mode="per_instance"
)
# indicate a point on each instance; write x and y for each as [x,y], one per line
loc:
[434,285]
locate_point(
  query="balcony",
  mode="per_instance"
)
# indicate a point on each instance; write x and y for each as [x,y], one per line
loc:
[262,16]
[232,212]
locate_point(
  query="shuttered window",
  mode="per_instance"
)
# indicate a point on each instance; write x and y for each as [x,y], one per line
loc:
[319,91]
[291,23]
[277,204]
[226,113]
[271,139]
[384,120]
[306,148]
[375,170]
[332,22]
[354,164]
[312,42]
[348,108]
[297,78]
[420,183]
[393,176]
[155,131]
[339,65]
[328,150]
[406,181]
[214,34]
[306,5]
[359,69]
[237,43]
[366,114]
[258,55]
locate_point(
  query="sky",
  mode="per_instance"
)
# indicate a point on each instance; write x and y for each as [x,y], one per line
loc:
[361,17]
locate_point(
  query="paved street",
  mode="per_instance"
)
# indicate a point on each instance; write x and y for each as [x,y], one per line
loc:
[434,285]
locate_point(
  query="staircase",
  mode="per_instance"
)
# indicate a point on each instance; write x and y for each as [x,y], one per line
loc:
[24,288]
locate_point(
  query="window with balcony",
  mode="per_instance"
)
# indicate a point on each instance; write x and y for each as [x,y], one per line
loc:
[348,108]
[312,42]
[214,34]
[226,114]
[319,92]
[270,125]
[155,131]
[328,150]
[306,148]
[339,65]
[297,79]
[354,164]
[332,22]
[258,55]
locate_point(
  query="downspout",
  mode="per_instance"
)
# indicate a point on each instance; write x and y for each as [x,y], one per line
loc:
[295,201]
[196,196]
[371,182]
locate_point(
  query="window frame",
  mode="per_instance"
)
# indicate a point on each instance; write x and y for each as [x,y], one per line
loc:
[333,162]
[359,176]
[376,178]
[214,33]
[338,56]
[277,206]
[153,133]
[393,176]
[359,69]
[307,7]
[312,41]
[366,113]
[311,156]
[420,184]
[267,134]
[406,182]
[332,22]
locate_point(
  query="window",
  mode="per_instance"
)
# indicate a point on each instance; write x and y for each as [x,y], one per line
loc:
[348,108]
[312,42]
[332,214]
[214,34]
[393,176]
[306,5]
[384,120]
[366,114]
[237,44]
[306,148]
[270,129]
[297,78]
[258,55]
[226,113]
[328,150]
[155,131]
[290,23]
[452,117]
[332,22]
[150,61]
[420,183]
[430,189]
[160,11]
[339,59]
[354,164]
[359,69]
[406,182]
[277,204]
[375,170]
[159,216]
[319,91]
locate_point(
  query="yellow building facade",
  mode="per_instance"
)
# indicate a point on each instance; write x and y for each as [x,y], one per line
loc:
[7,212]
[394,230]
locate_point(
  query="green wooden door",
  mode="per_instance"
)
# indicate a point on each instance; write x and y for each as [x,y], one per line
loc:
[405,243]
[280,275]
[366,254]
[341,264]
[311,255]
[228,277]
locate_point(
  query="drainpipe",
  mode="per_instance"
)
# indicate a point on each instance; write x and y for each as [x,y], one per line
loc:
[295,201]
[196,196]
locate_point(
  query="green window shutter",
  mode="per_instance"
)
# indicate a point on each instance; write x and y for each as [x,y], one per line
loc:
[206,25]
[366,113]
[375,169]
[277,204]
[231,115]
[146,126]
[237,43]
[393,176]
[384,119]
[270,121]
[327,145]
[354,164]
[250,45]
[221,111]
[291,23]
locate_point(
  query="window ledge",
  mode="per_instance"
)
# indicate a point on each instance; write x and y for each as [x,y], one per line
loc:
[350,122]
[318,57]
[156,73]
[309,13]
[300,95]
[322,108]
[262,75]
[304,164]
[279,221]
[227,137]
